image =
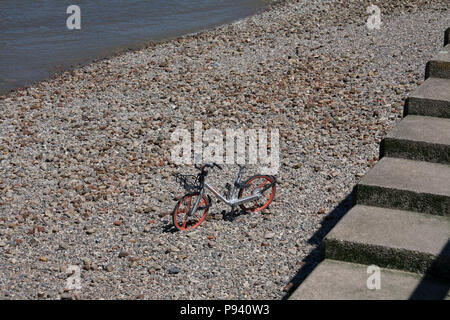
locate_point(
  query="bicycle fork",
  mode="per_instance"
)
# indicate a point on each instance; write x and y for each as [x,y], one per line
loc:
[196,203]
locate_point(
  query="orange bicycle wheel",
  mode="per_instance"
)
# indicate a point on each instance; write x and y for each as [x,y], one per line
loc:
[258,182]
[184,221]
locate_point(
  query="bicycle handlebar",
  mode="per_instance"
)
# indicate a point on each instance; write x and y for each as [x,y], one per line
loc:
[207,165]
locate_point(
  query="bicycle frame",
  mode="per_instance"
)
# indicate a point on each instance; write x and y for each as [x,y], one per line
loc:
[233,200]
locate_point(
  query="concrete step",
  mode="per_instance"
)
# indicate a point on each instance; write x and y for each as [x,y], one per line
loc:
[439,65]
[337,280]
[406,185]
[419,138]
[432,99]
[396,239]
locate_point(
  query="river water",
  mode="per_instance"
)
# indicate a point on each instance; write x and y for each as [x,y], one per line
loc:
[35,40]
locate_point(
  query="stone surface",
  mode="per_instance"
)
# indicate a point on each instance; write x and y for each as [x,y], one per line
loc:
[439,66]
[432,99]
[392,238]
[337,280]
[419,138]
[407,185]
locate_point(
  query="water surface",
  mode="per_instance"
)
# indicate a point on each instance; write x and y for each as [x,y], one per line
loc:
[35,41]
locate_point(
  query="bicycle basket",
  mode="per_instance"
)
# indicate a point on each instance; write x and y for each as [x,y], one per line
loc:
[188,181]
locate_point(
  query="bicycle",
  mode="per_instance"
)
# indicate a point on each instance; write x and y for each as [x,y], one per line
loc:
[191,210]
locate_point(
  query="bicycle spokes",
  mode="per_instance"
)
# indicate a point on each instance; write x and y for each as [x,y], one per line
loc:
[184,218]
[258,184]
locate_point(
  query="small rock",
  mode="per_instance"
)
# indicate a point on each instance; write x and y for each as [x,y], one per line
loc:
[66,296]
[174,270]
[163,214]
[123,254]
[109,268]
[148,209]
[91,230]
[251,235]
[63,246]
[269,235]
[33,242]
[172,249]
[192,233]
[155,266]
[87,264]
[334,174]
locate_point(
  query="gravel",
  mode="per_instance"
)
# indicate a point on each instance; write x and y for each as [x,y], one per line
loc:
[85,170]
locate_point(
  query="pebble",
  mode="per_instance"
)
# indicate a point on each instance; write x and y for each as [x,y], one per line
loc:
[109,268]
[87,264]
[66,296]
[155,266]
[91,230]
[269,235]
[63,246]
[174,270]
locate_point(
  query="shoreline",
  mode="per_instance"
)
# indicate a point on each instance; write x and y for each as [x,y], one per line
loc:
[85,169]
[120,50]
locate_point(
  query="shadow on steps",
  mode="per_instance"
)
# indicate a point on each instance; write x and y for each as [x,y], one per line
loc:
[429,287]
[314,258]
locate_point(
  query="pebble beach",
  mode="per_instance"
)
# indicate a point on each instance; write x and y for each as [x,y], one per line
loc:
[86,177]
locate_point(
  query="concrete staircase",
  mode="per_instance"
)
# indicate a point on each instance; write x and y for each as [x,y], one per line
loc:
[401,220]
